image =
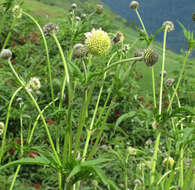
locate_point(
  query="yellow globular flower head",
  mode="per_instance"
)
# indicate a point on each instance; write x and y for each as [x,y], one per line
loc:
[97,42]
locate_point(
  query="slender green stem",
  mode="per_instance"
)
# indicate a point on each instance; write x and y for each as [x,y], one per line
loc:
[36,121]
[140,19]
[122,61]
[179,80]
[10,31]
[38,109]
[181,178]
[153,87]
[66,73]
[70,95]
[154,160]
[6,123]
[95,112]
[162,70]
[47,54]
[15,176]
[83,115]
[21,150]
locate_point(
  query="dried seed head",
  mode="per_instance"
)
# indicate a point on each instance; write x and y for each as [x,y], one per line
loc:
[50,28]
[83,16]
[168,161]
[150,57]
[15,10]
[134,5]
[78,18]
[139,53]
[164,73]
[97,42]
[1,128]
[99,9]
[74,6]
[6,54]
[193,17]
[169,82]
[79,50]
[169,24]
[119,38]
[34,84]
[125,49]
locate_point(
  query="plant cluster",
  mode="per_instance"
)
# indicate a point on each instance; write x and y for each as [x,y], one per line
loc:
[71,116]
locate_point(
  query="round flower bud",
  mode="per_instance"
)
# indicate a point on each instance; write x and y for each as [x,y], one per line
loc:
[169,82]
[193,17]
[34,84]
[50,28]
[74,6]
[134,5]
[168,161]
[83,16]
[150,57]
[79,50]
[164,73]
[169,24]
[119,38]
[1,128]
[78,18]
[99,9]
[97,42]
[6,54]
[15,10]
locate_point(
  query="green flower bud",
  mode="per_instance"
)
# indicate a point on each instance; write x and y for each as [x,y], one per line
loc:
[79,50]
[150,57]
[99,9]
[168,161]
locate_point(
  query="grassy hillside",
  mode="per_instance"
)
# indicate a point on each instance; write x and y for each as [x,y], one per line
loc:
[56,10]
[77,108]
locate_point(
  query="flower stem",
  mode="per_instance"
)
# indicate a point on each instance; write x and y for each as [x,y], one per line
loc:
[153,87]
[89,132]
[47,54]
[140,19]
[162,70]
[154,160]
[6,122]
[38,109]
[179,80]
[70,95]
